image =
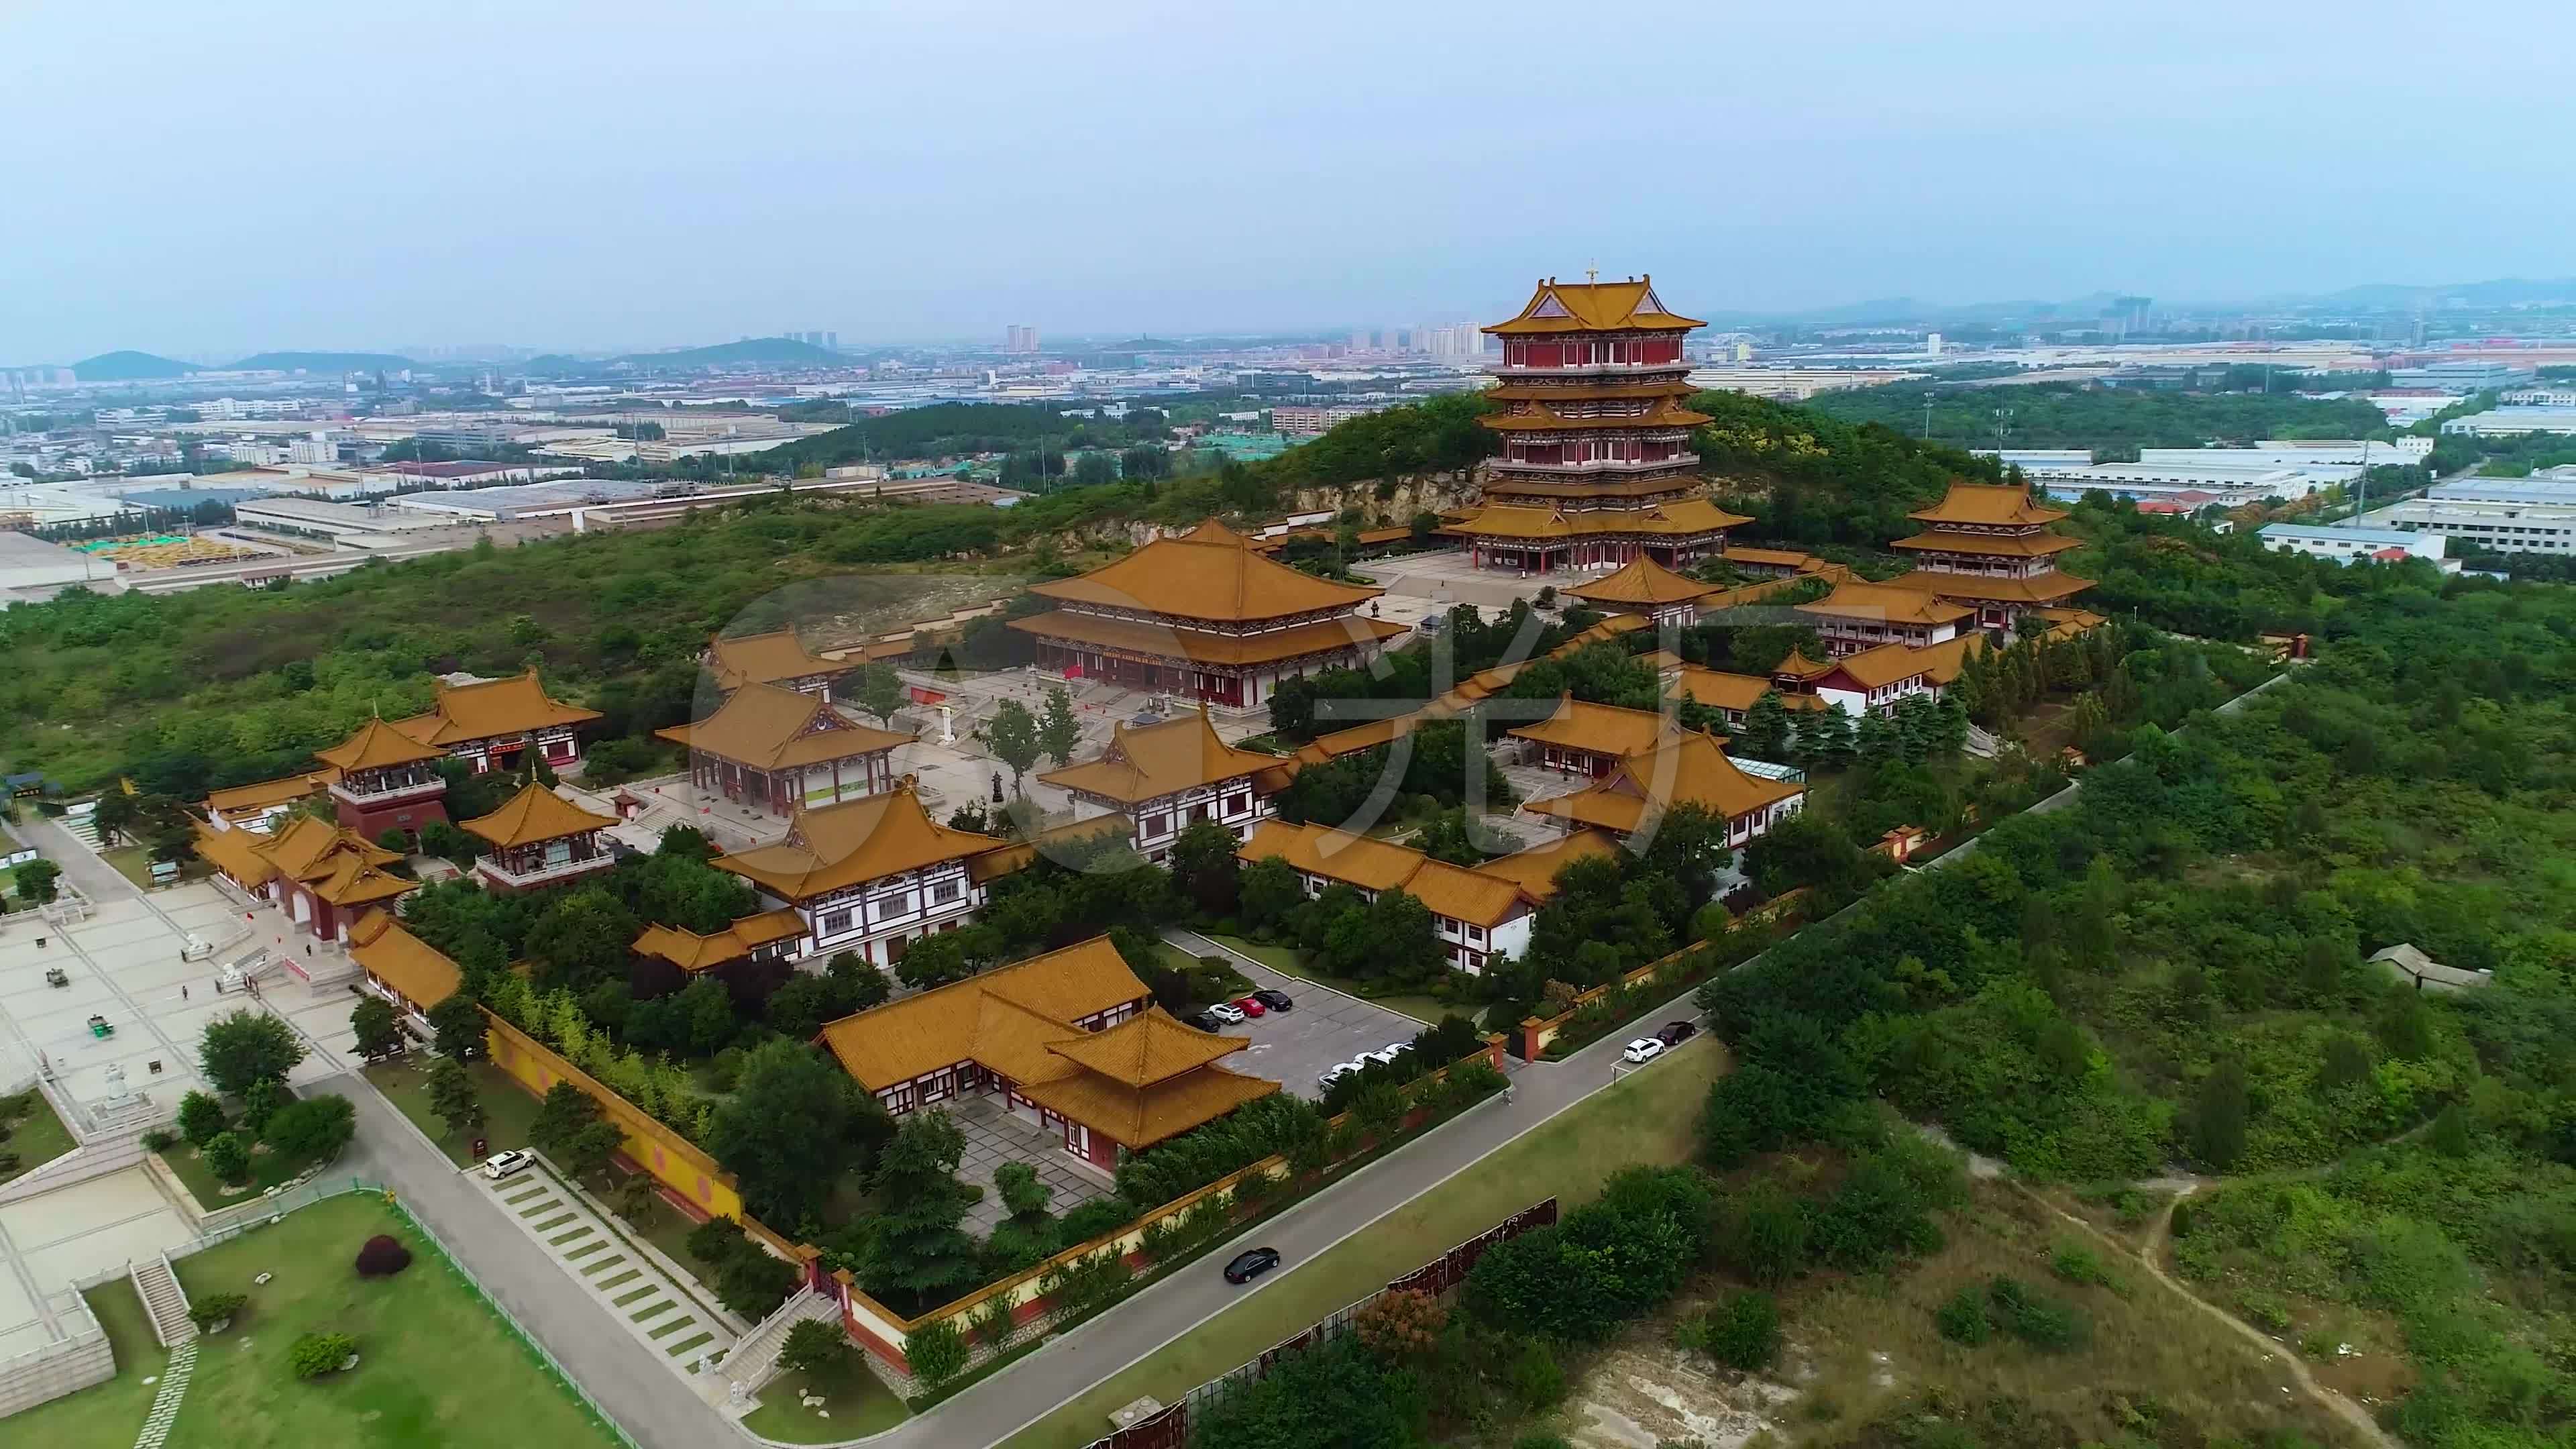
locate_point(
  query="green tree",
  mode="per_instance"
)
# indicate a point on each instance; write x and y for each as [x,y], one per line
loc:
[36,880]
[227,1156]
[200,1118]
[1267,890]
[265,1099]
[1203,864]
[372,1023]
[878,690]
[1825,738]
[452,1098]
[569,1129]
[450,844]
[1765,733]
[585,937]
[244,1047]
[313,1128]
[1876,740]
[794,1126]
[814,1347]
[1058,731]
[457,1027]
[2218,1113]
[937,1353]
[1023,1196]
[1013,734]
[921,1254]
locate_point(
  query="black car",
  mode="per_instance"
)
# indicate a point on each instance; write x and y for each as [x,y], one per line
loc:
[1203,1021]
[1275,1000]
[1676,1032]
[1251,1264]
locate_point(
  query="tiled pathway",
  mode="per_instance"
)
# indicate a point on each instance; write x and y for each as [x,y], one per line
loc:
[613,1269]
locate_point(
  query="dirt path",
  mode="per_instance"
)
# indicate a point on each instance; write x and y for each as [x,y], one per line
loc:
[2148,1256]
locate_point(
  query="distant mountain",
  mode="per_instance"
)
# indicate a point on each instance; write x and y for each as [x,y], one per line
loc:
[323,362]
[128,367]
[733,354]
[2501,292]
[553,364]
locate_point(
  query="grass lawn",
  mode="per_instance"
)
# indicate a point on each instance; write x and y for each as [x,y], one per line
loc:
[1420,1007]
[1648,1117]
[36,1135]
[858,1401]
[507,1109]
[437,1367]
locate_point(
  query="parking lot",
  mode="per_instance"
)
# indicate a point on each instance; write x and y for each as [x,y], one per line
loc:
[1326,1027]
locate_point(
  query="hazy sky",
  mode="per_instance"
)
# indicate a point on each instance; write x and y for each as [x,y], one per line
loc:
[208,179]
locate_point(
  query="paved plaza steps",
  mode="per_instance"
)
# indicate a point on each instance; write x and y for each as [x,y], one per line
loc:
[164,1300]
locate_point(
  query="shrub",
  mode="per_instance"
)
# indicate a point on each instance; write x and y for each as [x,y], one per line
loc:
[814,1347]
[314,1128]
[1744,1334]
[227,1156]
[266,1098]
[2077,1264]
[1963,1318]
[1092,1219]
[213,1308]
[160,1139]
[2034,1317]
[1762,1233]
[316,1354]
[1537,1382]
[382,1257]
[937,1353]
[1401,1326]
[994,1324]
[200,1118]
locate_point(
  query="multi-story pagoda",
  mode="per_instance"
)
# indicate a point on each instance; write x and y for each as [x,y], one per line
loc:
[1204,616]
[1987,547]
[1596,465]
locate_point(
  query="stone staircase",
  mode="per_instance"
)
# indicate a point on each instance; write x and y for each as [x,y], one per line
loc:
[164,1300]
[1981,744]
[754,1360]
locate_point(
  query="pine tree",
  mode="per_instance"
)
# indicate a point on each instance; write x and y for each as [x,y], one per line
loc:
[1876,739]
[1915,728]
[1826,738]
[1950,725]
[1765,735]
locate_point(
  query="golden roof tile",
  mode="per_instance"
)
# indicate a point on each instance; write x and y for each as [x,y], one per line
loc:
[766,659]
[1993,545]
[420,971]
[514,705]
[1148,763]
[535,813]
[1641,582]
[771,727]
[2046,588]
[1597,729]
[1210,572]
[2006,504]
[375,745]
[1534,870]
[1146,1048]
[1887,603]
[1625,306]
[268,794]
[1139,1117]
[832,846]
[692,952]
[1686,768]
[941,1027]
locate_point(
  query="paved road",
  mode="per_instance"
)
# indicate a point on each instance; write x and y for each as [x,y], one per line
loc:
[1069,1366]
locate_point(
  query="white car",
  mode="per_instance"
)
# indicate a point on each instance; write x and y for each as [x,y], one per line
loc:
[1643,1049]
[1335,1073]
[1227,1012]
[1384,1058]
[508,1164]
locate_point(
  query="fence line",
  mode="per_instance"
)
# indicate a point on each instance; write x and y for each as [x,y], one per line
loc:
[1170,1428]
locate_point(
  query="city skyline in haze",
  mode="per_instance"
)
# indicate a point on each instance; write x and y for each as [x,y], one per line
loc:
[583,176]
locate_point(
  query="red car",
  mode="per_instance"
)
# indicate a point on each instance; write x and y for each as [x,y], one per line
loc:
[1251,1006]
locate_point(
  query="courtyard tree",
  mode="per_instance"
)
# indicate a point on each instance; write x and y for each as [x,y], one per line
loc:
[1765,735]
[794,1126]
[36,881]
[312,1129]
[1205,868]
[1013,734]
[877,689]
[569,1129]
[247,1046]
[1266,891]
[1058,731]
[457,1027]
[227,1156]
[921,1255]
[814,1347]
[452,1098]
[581,940]
[1023,1196]
[200,1118]
[374,1026]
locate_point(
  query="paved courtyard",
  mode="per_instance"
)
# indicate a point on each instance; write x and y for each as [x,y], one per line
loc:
[993,1137]
[123,964]
[53,1240]
[1324,1029]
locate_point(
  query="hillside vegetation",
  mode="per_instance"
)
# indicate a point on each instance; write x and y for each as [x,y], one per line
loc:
[2072,415]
